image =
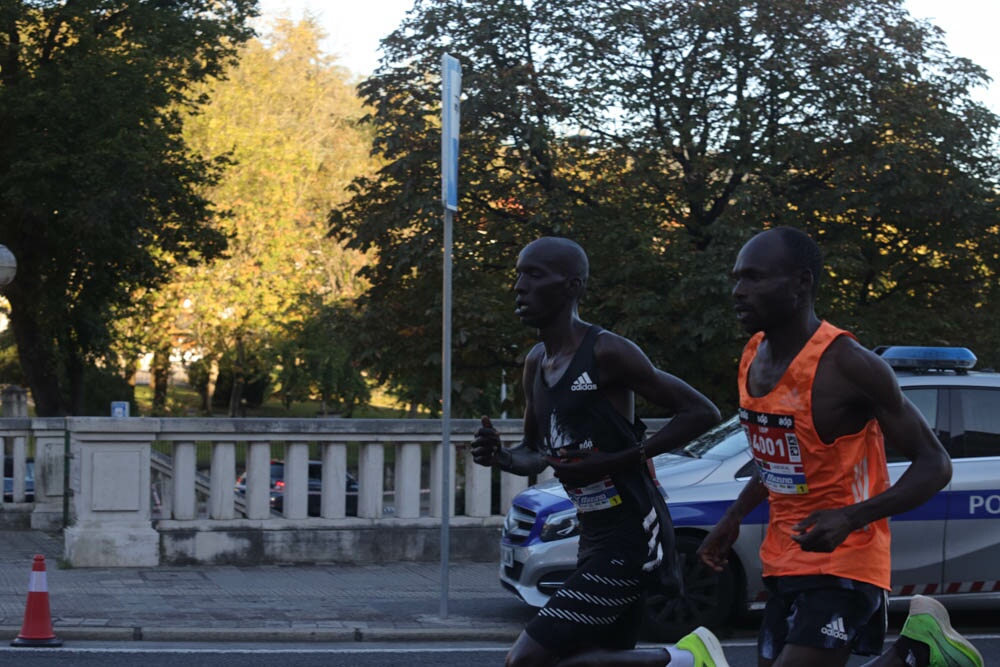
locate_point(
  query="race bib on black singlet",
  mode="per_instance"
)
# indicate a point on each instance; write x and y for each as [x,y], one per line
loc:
[600,495]
[776,450]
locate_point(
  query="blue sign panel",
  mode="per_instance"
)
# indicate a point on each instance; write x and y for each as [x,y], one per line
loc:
[451,88]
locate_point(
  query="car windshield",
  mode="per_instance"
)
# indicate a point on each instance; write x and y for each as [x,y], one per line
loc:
[722,442]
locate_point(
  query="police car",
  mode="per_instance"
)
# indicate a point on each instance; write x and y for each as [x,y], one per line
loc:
[949,547]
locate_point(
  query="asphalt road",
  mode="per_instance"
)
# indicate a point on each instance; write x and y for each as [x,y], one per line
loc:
[740,653]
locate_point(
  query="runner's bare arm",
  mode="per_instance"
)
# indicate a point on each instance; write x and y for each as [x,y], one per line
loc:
[904,429]
[524,458]
[714,549]
[869,385]
[626,368]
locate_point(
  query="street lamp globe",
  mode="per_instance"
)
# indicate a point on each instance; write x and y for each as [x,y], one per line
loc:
[8,265]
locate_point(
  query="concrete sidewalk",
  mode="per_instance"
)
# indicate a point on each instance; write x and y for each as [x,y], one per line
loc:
[315,602]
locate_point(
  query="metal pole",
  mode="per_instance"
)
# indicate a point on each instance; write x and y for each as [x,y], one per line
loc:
[67,455]
[446,413]
[503,393]
[451,84]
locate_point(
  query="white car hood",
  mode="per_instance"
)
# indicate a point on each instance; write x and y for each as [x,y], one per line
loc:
[673,472]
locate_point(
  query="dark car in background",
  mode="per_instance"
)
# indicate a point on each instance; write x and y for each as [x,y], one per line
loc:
[315,488]
[8,480]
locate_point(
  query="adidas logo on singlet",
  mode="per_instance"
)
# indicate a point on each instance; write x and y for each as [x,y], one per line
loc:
[835,628]
[583,383]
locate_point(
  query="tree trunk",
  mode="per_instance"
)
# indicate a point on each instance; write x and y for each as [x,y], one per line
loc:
[75,370]
[37,356]
[213,376]
[239,380]
[161,379]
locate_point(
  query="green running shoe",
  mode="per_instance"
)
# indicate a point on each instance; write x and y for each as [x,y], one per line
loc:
[929,623]
[705,647]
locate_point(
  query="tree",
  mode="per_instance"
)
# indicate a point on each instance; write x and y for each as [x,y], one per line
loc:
[662,134]
[99,196]
[315,362]
[285,120]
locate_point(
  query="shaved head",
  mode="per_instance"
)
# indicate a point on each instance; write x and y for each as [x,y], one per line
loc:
[561,254]
[800,252]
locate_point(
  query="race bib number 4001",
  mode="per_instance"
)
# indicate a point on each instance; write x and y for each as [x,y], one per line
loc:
[776,449]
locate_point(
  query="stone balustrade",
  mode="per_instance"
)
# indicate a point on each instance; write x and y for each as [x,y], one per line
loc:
[145,491]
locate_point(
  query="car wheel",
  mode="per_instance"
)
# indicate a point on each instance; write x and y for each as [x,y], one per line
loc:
[709,598]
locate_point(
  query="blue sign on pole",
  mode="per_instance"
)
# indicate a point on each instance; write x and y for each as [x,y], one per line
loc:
[451,84]
[451,88]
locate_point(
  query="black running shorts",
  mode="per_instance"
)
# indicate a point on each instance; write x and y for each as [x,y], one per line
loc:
[599,606]
[823,612]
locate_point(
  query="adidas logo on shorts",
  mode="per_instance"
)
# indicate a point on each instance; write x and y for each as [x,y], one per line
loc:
[583,383]
[835,628]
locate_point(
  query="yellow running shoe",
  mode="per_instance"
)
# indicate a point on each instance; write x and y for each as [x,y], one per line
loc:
[705,647]
[929,623]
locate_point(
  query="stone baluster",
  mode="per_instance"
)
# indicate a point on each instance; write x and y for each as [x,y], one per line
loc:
[258,480]
[407,480]
[478,487]
[510,486]
[185,502]
[441,450]
[334,496]
[371,474]
[222,497]
[296,492]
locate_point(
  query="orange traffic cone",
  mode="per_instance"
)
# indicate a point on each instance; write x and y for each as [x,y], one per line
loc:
[37,627]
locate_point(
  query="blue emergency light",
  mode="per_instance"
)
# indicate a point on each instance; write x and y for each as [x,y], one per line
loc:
[917,358]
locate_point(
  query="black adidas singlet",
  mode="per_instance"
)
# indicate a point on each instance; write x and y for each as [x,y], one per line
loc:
[625,510]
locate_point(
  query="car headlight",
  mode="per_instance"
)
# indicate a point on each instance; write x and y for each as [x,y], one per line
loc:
[560,525]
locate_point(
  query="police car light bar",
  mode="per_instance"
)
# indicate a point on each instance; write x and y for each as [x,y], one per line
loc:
[927,358]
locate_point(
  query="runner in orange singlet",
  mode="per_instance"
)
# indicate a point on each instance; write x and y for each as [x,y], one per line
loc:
[815,405]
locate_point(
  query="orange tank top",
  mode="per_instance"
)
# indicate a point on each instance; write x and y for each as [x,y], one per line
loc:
[803,474]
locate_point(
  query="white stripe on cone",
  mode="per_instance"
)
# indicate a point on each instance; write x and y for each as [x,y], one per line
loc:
[38,583]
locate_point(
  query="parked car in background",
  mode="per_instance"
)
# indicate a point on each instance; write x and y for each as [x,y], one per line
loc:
[8,480]
[315,488]
[700,480]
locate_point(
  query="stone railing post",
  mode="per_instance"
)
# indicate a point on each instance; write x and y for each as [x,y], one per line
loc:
[222,496]
[185,503]
[333,497]
[19,455]
[478,487]
[14,401]
[407,480]
[545,476]
[258,480]
[110,480]
[371,480]
[441,450]
[510,486]
[50,466]
[296,492]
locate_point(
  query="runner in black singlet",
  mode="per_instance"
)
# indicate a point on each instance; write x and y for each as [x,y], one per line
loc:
[579,385]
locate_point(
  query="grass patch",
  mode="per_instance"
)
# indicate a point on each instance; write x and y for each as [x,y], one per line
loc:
[183,401]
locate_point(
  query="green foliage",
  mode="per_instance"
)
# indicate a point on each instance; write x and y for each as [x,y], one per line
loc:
[286,122]
[661,135]
[10,369]
[99,196]
[315,363]
[184,401]
[251,371]
[101,387]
